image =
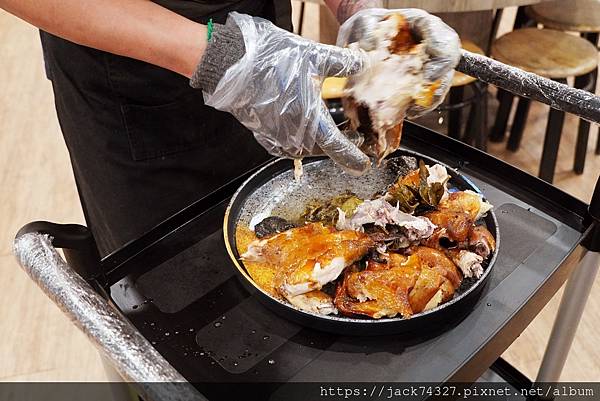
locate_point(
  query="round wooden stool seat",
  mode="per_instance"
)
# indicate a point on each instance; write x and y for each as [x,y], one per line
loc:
[459,78]
[546,52]
[572,15]
[333,87]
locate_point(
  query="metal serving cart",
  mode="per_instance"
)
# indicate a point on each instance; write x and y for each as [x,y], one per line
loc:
[168,308]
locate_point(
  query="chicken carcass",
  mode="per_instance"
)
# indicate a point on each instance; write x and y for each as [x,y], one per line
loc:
[381,213]
[376,100]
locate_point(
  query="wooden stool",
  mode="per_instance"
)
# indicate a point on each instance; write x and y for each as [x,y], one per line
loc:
[581,16]
[551,54]
[333,88]
[475,129]
[331,92]
[572,15]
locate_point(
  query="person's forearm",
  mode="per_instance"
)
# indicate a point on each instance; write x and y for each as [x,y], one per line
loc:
[344,9]
[138,29]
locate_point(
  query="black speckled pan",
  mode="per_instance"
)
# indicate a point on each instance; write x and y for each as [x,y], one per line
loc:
[272,191]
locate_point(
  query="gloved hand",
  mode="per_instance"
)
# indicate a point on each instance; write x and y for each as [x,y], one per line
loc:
[442,45]
[270,80]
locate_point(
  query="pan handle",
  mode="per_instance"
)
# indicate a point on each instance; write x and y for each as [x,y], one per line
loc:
[134,358]
[558,96]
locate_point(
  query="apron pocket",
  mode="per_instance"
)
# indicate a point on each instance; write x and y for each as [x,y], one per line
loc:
[157,131]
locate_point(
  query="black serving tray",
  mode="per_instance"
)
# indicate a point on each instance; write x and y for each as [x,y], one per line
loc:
[177,286]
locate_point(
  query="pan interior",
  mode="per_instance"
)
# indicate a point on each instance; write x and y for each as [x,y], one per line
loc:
[285,197]
[273,191]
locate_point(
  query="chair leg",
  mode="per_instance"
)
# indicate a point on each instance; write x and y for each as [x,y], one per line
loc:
[473,124]
[552,142]
[475,132]
[583,134]
[455,116]
[482,138]
[518,125]
[506,100]
[583,131]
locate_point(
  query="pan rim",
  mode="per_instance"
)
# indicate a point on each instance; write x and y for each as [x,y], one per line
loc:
[344,319]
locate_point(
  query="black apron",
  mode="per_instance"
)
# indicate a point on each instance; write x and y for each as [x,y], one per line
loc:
[141,141]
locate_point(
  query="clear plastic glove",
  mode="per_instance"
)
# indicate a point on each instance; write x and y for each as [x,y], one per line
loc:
[442,45]
[274,90]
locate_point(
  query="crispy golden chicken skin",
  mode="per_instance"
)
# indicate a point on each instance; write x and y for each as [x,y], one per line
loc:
[439,262]
[455,217]
[404,285]
[425,288]
[262,274]
[304,259]
[383,292]
[465,202]
[455,225]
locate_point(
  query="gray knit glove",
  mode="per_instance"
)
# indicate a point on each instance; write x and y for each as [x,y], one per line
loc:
[225,48]
[270,80]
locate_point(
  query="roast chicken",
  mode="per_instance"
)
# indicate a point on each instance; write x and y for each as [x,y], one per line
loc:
[368,257]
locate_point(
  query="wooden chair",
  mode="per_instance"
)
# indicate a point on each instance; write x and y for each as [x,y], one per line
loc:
[582,16]
[551,54]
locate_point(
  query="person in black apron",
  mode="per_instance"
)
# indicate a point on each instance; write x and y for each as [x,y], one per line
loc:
[142,142]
